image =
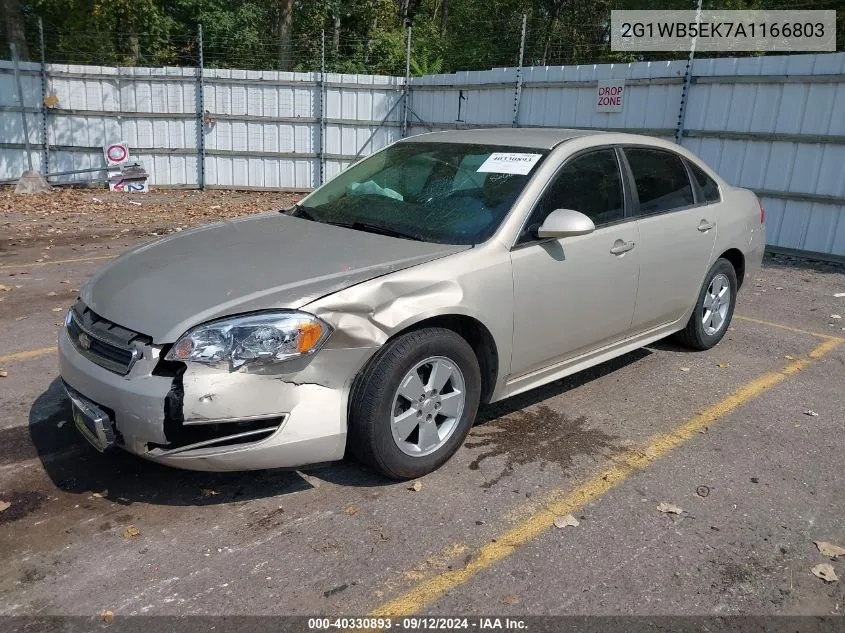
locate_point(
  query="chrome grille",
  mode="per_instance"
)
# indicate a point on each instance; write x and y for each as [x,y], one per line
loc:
[102,342]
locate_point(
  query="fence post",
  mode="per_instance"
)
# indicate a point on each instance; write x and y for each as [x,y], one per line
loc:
[679,129]
[16,63]
[321,85]
[200,114]
[45,141]
[517,95]
[407,91]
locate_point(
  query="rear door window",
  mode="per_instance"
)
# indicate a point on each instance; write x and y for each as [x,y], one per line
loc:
[661,181]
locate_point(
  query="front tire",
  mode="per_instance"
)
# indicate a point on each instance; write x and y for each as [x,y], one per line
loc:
[714,308]
[414,403]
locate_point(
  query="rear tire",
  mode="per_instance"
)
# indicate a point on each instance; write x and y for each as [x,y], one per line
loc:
[404,434]
[714,308]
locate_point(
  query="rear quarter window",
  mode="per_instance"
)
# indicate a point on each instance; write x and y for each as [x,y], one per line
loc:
[661,180]
[708,186]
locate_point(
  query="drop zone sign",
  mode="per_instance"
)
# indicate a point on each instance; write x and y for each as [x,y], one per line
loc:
[610,95]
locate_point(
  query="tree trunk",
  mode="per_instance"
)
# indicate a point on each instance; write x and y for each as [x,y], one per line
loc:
[336,32]
[15,33]
[444,19]
[550,31]
[285,35]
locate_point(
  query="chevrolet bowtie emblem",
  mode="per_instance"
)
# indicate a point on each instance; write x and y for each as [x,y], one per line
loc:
[84,341]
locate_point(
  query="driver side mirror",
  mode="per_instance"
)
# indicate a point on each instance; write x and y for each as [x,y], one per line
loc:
[565,223]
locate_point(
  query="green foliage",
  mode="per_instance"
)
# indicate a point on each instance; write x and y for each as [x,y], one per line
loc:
[361,36]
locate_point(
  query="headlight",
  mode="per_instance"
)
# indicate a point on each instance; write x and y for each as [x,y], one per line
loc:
[265,337]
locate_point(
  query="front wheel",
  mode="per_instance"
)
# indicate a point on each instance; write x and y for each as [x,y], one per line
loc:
[414,403]
[713,309]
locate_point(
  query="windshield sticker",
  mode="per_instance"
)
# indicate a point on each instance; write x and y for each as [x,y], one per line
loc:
[509,163]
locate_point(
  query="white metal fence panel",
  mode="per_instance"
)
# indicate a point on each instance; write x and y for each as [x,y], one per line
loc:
[260,129]
[773,124]
[777,125]
[13,159]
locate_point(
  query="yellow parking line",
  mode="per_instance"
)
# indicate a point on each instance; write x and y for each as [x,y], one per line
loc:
[59,261]
[33,353]
[788,328]
[562,502]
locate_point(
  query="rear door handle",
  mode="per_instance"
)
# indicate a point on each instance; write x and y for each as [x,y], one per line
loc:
[621,246]
[705,226]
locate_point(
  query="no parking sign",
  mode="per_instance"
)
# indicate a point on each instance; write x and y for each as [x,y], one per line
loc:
[116,154]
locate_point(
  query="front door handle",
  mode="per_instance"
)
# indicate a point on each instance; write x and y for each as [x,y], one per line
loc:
[621,246]
[705,226]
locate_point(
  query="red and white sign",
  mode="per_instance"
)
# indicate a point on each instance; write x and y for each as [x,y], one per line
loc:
[610,95]
[116,154]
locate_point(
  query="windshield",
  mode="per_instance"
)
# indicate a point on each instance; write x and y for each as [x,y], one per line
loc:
[450,193]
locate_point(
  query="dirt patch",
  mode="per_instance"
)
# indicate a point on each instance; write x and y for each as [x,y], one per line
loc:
[68,216]
[22,503]
[537,435]
[272,519]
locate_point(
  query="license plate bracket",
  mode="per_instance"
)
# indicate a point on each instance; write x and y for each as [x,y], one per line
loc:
[92,422]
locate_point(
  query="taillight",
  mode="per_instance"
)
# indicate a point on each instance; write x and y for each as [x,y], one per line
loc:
[762,212]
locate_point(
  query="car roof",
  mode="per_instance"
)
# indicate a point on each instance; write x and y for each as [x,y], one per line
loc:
[535,137]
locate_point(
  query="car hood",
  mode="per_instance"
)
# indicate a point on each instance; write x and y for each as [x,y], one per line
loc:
[255,263]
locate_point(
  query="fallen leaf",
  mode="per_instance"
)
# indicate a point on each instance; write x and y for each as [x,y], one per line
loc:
[351,510]
[811,413]
[829,549]
[567,521]
[835,316]
[5,505]
[511,598]
[20,318]
[208,492]
[55,309]
[107,616]
[789,358]
[101,495]
[3,373]
[4,288]
[702,491]
[131,532]
[724,365]
[65,281]
[825,572]
[60,424]
[684,368]
[416,486]
[778,287]
[51,294]
[670,508]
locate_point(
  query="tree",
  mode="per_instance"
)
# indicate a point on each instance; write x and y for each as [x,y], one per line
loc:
[285,34]
[15,32]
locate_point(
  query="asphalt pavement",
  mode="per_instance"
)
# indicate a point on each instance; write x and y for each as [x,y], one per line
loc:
[744,443]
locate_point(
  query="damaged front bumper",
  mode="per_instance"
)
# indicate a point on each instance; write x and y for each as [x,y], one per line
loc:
[201,417]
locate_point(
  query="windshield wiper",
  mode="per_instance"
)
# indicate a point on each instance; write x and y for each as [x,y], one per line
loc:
[375,228]
[297,211]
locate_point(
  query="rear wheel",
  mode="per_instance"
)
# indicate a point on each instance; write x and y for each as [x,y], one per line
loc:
[414,403]
[713,309]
